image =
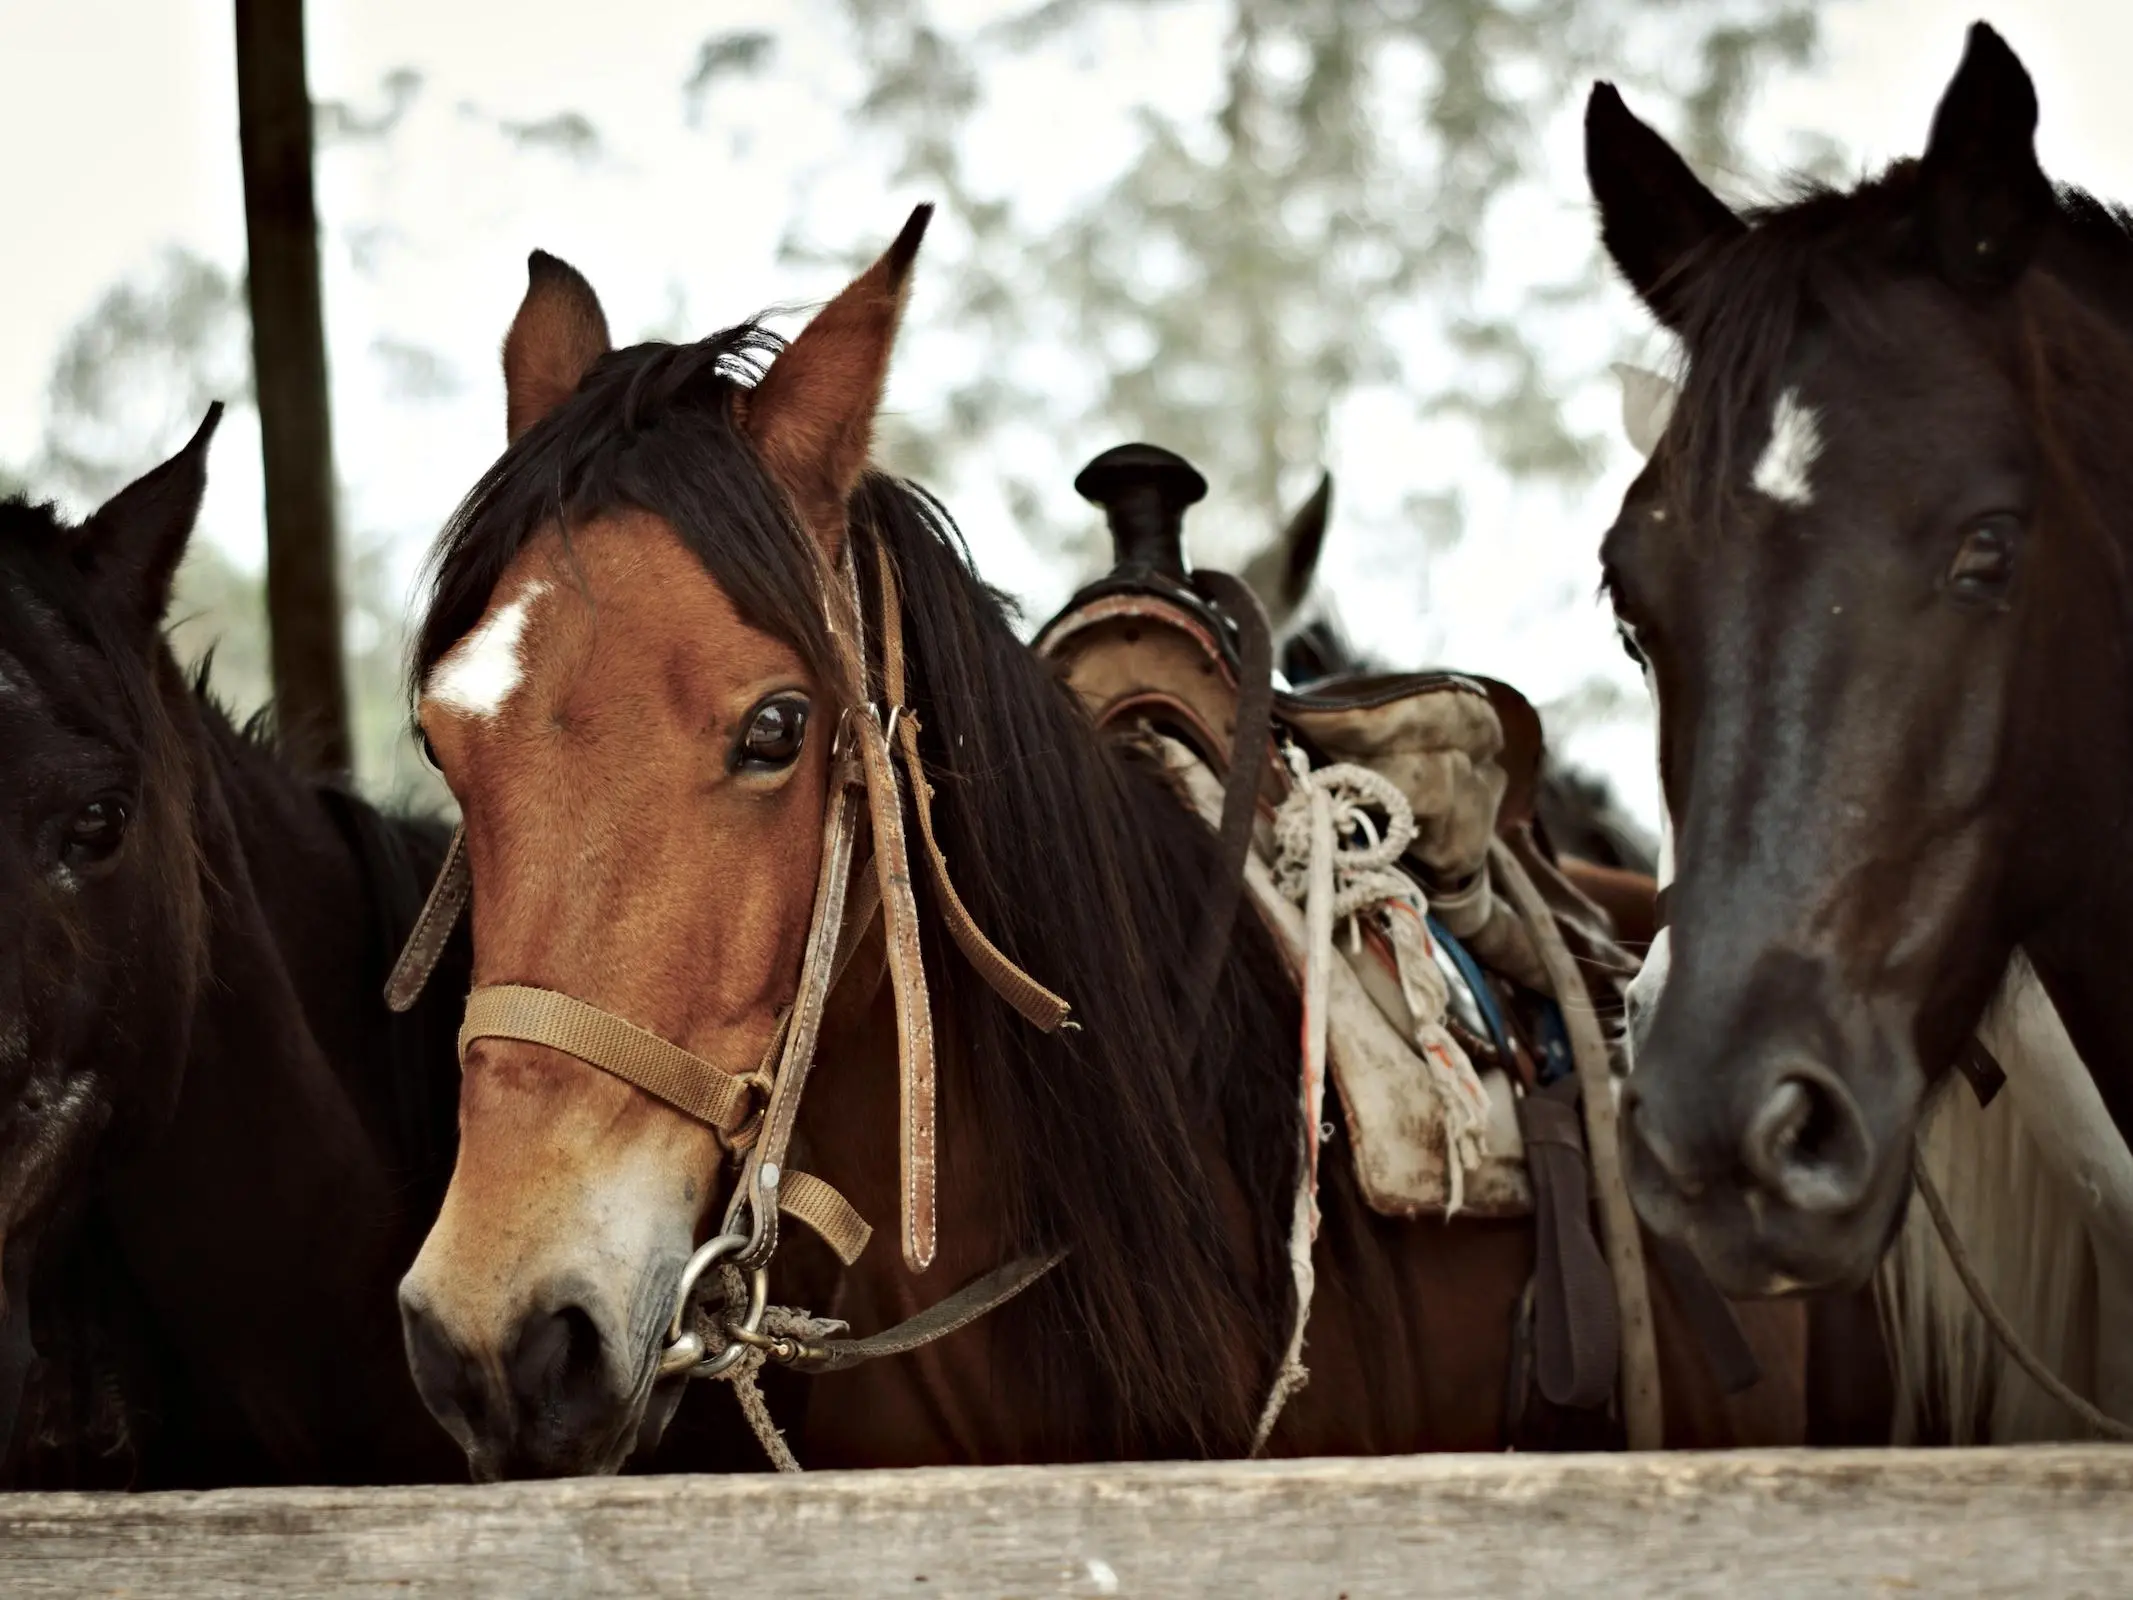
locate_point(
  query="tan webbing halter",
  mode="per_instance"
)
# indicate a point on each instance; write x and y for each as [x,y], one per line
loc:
[863,757]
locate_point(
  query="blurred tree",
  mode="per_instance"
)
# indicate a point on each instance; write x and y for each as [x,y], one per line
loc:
[129,383]
[275,137]
[1320,227]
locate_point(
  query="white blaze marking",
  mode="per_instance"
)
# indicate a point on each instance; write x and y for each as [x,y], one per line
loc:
[1795,442]
[477,676]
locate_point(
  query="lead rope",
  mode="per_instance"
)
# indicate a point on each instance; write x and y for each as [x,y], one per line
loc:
[1996,1319]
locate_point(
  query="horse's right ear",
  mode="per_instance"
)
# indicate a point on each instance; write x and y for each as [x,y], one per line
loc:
[1985,198]
[136,539]
[1305,541]
[559,332]
[1656,217]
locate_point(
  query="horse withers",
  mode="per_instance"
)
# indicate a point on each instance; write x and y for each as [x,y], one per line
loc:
[1875,572]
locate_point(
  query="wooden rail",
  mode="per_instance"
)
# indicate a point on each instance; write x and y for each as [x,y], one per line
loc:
[2034,1522]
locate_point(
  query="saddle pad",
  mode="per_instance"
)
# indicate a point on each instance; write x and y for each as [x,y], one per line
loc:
[1395,1123]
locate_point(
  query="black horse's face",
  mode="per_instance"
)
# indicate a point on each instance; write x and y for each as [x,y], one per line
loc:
[1837,656]
[100,943]
[1853,597]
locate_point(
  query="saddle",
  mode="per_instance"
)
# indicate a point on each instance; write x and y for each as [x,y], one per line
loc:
[1384,829]
[1158,661]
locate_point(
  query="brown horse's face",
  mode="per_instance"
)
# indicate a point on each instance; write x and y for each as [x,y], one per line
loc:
[1852,646]
[642,779]
[643,776]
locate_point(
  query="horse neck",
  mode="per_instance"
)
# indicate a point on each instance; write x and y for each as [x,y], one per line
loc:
[1019,1385]
[262,1223]
[2078,956]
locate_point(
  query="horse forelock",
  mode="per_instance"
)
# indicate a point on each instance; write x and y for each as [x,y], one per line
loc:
[1822,260]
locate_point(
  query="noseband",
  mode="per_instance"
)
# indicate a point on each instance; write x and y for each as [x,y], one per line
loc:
[753,1106]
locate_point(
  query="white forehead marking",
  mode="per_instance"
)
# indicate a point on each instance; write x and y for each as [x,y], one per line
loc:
[478,674]
[1795,441]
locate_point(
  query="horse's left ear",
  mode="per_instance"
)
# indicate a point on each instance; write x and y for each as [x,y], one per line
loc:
[812,416]
[1985,199]
[136,539]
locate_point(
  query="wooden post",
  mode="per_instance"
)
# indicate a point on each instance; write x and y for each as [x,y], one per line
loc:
[289,374]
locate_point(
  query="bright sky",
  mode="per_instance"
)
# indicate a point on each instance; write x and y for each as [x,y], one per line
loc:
[121,115]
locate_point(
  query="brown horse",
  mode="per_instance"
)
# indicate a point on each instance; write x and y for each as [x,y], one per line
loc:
[630,677]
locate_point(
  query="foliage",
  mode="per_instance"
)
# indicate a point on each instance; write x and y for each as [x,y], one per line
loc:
[1319,228]
[130,383]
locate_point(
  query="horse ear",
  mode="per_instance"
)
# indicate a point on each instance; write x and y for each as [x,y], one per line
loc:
[1647,405]
[1985,198]
[1282,573]
[812,416]
[1656,217]
[136,539]
[559,332]
[1304,540]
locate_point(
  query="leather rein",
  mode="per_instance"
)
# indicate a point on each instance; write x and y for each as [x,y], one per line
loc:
[753,1107]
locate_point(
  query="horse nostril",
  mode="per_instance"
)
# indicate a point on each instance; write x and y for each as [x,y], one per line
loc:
[1808,1142]
[445,1377]
[558,1357]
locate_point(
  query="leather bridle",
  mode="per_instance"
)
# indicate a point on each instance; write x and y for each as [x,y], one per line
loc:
[754,1106]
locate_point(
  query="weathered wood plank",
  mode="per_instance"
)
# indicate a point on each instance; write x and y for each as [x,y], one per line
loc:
[2055,1521]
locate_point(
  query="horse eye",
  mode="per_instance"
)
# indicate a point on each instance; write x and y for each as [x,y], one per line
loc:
[1629,645]
[776,730]
[1985,561]
[95,831]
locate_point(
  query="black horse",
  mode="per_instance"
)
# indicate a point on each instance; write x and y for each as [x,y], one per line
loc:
[1878,571]
[218,1150]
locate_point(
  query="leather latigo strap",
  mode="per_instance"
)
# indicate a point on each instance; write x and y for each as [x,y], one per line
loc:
[919,1139]
[1036,1004]
[441,912]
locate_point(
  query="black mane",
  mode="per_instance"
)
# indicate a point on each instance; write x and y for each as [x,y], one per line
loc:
[1119,1139]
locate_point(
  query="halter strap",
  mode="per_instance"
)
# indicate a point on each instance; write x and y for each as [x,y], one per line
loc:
[719,1096]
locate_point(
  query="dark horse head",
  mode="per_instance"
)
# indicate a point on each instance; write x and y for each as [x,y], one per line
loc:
[216,1139]
[84,994]
[1876,573]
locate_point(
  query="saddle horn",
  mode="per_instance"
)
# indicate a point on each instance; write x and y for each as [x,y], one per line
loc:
[1144,490]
